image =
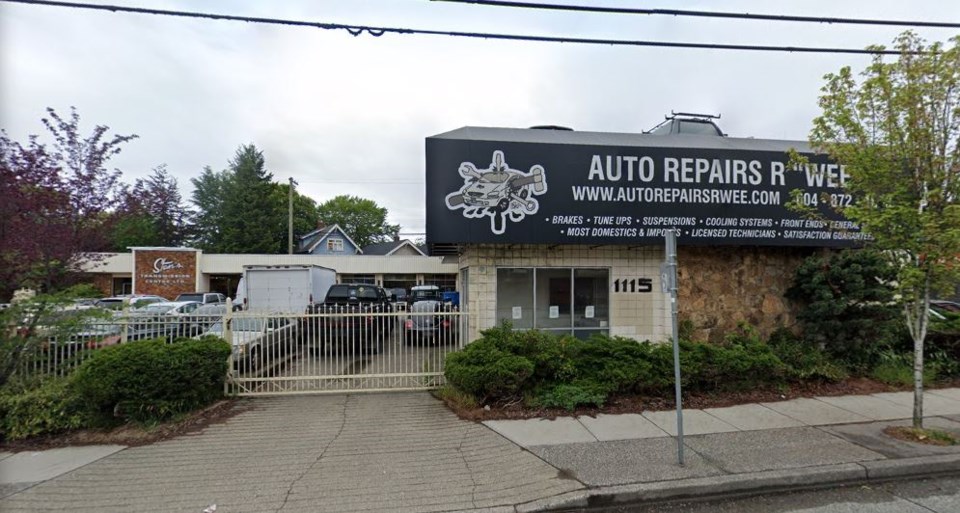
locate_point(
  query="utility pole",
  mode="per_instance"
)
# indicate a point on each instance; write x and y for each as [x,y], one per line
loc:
[293,183]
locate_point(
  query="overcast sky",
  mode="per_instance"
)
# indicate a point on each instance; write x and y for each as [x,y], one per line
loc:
[349,115]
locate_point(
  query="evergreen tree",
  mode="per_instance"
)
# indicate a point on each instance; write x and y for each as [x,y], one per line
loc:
[251,215]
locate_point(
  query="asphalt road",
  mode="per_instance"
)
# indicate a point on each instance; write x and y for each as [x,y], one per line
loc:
[932,495]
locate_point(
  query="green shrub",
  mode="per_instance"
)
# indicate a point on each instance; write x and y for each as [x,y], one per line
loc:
[570,395]
[487,372]
[897,369]
[565,372]
[847,305]
[803,360]
[616,364]
[45,409]
[151,380]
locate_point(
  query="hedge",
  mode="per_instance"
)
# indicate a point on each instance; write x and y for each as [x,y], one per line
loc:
[549,371]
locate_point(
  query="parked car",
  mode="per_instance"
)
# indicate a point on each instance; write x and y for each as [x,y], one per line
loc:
[941,306]
[208,315]
[429,318]
[170,320]
[70,328]
[353,316]
[205,298]
[400,294]
[256,340]
[134,300]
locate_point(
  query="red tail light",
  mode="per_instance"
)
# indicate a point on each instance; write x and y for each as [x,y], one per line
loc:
[408,324]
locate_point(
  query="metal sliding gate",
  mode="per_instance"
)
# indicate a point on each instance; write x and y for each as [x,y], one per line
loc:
[275,354]
[341,351]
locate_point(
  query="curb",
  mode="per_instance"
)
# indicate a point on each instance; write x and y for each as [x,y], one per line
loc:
[748,483]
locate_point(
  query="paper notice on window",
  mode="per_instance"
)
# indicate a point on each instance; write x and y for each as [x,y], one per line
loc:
[588,313]
[518,312]
[554,312]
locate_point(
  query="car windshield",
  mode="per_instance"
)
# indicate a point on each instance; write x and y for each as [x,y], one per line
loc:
[352,291]
[157,308]
[113,304]
[211,310]
[494,176]
[426,295]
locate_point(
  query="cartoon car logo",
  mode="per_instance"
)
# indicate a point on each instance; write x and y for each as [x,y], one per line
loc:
[499,192]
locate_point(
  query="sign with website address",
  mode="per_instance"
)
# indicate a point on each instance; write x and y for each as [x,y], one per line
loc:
[525,192]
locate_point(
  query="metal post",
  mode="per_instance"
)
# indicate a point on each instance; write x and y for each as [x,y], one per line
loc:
[227,321]
[671,236]
[290,218]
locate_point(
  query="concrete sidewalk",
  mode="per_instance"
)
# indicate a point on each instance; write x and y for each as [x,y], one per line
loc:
[407,452]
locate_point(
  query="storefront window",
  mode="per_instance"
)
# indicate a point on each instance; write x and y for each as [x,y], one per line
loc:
[559,300]
[553,299]
[591,301]
[515,297]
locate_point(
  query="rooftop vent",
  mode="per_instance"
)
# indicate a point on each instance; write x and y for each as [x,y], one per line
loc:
[688,123]
[550,127]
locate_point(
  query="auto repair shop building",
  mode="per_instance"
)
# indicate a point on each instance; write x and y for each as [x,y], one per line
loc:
[564,231]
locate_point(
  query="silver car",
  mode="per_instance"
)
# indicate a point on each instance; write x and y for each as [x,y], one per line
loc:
[257,341]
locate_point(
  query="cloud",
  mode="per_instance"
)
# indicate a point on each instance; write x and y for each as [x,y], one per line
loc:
[349,115]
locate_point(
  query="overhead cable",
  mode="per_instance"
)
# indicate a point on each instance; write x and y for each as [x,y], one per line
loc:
[357,30]
[705,14]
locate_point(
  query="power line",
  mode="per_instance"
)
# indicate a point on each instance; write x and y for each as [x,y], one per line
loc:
[705,14]
[357,30]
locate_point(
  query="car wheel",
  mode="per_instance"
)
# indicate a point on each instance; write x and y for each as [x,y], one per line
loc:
[502,205]
[524,193]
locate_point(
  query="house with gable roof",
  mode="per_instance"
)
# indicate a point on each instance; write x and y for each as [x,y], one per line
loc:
[328,240]
[396,246]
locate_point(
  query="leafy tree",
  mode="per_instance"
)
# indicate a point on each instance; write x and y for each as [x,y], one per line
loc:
[153,213]
[362,219]
[57,203]
[94,189]
[896,131]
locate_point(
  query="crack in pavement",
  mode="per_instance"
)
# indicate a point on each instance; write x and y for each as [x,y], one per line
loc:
[343,424]
[473,488]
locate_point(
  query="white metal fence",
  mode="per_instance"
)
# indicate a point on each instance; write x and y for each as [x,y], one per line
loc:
[341,350]
[274,354]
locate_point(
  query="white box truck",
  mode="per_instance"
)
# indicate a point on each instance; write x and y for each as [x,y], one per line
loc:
[283,288]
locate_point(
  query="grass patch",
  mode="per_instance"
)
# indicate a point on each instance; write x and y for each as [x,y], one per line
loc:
[923,436]
[462,403]
[899,372]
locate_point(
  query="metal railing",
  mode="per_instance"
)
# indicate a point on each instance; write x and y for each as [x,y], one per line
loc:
[340,350]
[56,350]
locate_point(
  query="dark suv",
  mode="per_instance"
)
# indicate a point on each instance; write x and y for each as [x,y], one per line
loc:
[353,316]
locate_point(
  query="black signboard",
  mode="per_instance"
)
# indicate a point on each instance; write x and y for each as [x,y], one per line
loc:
[523,191]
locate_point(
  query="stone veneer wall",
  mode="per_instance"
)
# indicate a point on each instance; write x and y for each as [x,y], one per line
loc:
[642,316]
[721,286]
